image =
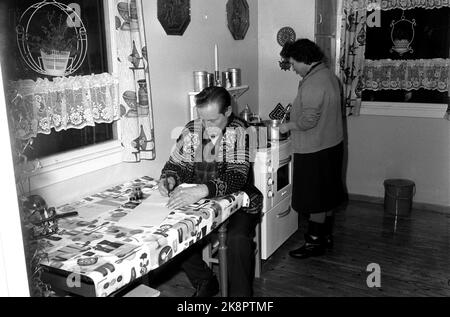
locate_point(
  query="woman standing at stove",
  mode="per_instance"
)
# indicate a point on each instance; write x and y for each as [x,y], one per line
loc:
[316,127]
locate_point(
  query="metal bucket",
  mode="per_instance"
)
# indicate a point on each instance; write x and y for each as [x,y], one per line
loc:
[398,196]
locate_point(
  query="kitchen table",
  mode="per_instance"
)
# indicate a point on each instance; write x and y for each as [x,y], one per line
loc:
[94,255]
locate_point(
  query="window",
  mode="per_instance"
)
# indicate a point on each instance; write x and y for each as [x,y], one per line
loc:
[72,152]
[96,62]
[431,43]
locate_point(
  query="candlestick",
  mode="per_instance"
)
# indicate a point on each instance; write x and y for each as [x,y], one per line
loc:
[216,78]
[216,59]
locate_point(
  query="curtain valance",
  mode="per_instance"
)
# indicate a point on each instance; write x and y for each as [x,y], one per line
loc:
[64,103]
[432,74]
[413,4]
[395,4]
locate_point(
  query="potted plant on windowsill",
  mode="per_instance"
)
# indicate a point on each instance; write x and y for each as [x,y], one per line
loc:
[56,42]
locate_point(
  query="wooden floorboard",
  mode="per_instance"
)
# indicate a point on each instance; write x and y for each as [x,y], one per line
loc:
[413,255]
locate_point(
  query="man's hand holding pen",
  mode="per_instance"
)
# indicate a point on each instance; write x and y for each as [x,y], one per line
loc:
[166,185]
[181,196]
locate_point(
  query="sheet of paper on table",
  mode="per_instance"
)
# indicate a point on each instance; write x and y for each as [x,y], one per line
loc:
[151,212]
[89,210]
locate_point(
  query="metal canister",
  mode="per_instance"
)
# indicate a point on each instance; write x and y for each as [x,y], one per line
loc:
[235,76]
[200,80]
[210,80]
[226,79]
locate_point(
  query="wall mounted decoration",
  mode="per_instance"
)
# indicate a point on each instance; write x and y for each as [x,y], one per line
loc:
[174,15]
[238,18]
[284,64]
[52,38]
[402,35]
[285,34]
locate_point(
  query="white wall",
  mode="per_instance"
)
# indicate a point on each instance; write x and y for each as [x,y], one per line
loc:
[276,85]
[400,147]
[174,58]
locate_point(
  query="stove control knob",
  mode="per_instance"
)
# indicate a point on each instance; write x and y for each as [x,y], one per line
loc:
[270,181]
[270,194]
[269,169]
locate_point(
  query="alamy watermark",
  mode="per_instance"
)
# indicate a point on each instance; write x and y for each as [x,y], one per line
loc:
[374,278]
[236,145]
[373,18]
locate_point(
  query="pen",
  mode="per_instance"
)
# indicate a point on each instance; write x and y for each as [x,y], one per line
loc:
[167,186]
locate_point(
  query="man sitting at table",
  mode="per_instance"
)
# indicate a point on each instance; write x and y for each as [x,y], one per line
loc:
[213,153]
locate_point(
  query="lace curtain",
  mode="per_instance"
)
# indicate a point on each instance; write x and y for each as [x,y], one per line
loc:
[64,103]
[412,4]
[432,74]
[396,4]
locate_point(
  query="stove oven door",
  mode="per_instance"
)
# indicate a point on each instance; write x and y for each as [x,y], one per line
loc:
[282,177]
[277,225]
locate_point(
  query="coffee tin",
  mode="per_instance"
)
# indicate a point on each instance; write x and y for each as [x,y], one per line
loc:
[235,74]
[210,80]
[226,79]
[200,80]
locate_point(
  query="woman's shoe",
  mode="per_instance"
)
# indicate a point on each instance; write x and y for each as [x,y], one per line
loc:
[314,246]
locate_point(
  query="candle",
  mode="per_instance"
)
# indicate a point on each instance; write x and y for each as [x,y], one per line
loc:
[216,59]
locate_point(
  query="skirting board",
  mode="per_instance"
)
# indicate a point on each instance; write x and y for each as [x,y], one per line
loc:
[416,205]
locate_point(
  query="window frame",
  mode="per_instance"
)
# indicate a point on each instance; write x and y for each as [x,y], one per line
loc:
[403,109]
[63,166]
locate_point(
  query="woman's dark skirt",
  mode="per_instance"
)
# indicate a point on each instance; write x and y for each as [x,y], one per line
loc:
[317,180]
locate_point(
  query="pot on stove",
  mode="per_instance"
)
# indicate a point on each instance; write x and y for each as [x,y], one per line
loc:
[273,130]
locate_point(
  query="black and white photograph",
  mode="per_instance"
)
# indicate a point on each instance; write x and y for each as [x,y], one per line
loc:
[253,153]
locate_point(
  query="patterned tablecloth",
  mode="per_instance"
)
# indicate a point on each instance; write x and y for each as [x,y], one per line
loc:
[94,247]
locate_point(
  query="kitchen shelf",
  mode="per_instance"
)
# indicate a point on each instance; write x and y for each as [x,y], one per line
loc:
[235,92]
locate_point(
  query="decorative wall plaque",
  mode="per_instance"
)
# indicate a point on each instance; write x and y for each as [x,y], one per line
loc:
[174,15]
[285,34]
[238,18]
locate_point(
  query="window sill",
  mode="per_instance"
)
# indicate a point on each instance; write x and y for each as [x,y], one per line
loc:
[61,167]
[403,109]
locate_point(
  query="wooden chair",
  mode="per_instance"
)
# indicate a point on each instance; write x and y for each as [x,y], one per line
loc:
[210,251]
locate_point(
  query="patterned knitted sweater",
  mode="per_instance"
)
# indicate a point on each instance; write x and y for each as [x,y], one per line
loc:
[224,166]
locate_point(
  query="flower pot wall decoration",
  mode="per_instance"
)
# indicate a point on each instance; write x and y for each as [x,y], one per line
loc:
[174,15]
[52,39]
[238,18]
[55,63]
[402,35]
